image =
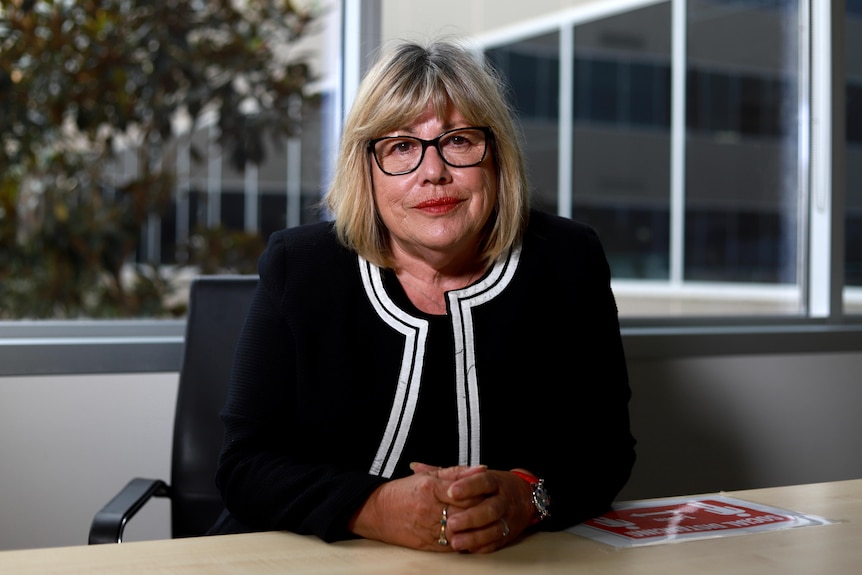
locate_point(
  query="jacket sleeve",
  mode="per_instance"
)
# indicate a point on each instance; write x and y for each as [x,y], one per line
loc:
[592,454]
[264,480]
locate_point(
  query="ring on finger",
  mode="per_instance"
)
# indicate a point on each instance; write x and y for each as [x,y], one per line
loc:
[442,540]
[505,527]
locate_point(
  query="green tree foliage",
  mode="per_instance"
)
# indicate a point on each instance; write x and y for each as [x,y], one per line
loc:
[81,80]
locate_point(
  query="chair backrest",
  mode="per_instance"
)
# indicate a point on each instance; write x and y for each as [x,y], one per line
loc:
[217,309]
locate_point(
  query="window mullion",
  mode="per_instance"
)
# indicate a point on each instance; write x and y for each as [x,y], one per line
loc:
[825,243]
[677,139]
[565,188]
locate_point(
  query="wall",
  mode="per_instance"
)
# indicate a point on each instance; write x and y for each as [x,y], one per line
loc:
[739,422]
[704,424]
[68,444]
[417,20]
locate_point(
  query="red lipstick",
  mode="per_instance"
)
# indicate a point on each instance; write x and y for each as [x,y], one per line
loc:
[441,205]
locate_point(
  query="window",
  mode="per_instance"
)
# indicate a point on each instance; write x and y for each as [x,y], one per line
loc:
[208,192]
[681,130]
[115,177]
[683,152]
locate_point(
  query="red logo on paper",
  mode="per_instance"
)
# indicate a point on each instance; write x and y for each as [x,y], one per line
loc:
[700,516]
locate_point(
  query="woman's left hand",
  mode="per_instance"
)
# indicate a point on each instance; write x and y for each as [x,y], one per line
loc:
[496,507]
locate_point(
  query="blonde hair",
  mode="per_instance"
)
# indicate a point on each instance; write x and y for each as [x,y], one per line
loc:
[397,89]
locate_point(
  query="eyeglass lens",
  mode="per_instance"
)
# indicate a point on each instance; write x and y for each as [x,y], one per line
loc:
[459,148]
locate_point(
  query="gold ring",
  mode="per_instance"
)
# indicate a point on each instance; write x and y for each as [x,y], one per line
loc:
[441,540]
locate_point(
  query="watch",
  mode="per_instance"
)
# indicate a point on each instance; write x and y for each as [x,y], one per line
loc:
[541,498]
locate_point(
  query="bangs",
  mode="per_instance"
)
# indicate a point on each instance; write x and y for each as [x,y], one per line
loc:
[413,89]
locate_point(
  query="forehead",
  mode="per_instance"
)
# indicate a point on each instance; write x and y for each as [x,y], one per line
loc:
[429,124]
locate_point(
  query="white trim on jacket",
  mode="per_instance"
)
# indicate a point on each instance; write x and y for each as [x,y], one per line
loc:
[415,332]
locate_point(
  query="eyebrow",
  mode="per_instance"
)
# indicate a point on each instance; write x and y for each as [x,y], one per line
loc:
[411,132]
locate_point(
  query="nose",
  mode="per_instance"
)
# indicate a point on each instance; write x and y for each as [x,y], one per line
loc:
[432,166]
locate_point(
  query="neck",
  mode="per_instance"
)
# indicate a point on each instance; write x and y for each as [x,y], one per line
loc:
[428,291]
[427,274]
[443,266]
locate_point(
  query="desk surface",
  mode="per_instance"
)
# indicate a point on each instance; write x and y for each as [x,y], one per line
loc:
[835,549]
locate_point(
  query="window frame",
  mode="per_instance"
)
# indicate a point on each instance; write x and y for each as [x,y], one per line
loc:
[30,348]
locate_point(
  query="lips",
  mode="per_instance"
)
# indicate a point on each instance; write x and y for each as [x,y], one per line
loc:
[438,203]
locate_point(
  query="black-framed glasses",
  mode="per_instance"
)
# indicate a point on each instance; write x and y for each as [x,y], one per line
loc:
[459,148]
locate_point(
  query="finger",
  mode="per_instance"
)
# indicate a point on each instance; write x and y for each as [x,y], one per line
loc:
[442,534]
[457,472]
[483,514]
[450,473]
[428,490]
[484,540]
[436,481]
[501,536]
[472,485]
[418,467]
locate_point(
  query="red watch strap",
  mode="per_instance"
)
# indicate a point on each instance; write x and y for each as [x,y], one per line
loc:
[526,476]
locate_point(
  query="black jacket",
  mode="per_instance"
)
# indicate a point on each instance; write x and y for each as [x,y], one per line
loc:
[339,382]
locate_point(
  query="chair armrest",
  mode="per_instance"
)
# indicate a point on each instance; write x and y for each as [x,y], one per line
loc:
[109,522]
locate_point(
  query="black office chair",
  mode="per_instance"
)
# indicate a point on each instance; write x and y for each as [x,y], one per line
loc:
[217,310]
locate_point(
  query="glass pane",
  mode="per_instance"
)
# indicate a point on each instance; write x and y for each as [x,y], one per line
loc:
[853,160]
[93,234]
[531,68]
[621,138]
[741,185]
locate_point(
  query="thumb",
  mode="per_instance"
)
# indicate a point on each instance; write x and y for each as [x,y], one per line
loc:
[418,468]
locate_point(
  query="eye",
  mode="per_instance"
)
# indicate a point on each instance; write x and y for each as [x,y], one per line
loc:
[397,147]
[403,146]
[459,140]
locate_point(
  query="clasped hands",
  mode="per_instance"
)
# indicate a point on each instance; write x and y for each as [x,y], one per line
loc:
[484,509]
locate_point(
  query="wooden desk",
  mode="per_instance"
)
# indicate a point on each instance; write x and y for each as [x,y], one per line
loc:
[835,549]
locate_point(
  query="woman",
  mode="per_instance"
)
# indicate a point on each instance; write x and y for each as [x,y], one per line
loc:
[439,367]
